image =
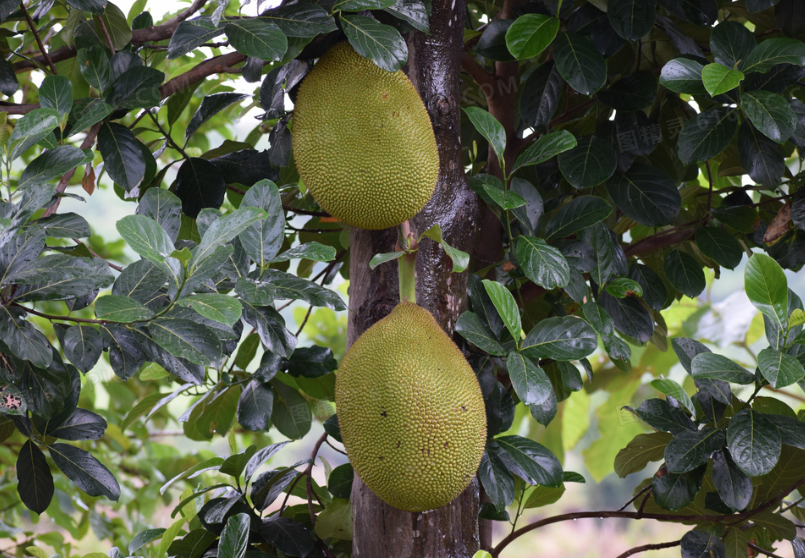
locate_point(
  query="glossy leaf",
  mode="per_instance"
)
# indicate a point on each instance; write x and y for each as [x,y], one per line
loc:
[683,75]
[489,127]
[470,326]
[771,52]
[380,43]
[707,135]
[530,382]
[767,288]
[34,480]
[583,68]
[632,19]
[717,367]
[645,194]
[779,368]
[543,264]
[591,162]
[770,113]
[565,338]
[720,246]
[684,273]
[89,474]
[720,79]
[530,34]
[579,213]
[754,442]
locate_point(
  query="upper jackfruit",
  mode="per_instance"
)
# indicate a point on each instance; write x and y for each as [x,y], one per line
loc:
[363,141]
[411,411]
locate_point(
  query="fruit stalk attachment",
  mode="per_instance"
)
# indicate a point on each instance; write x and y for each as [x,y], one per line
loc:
[407,263]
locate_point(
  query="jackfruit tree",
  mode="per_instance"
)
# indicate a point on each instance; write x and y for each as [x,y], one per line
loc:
[357,278]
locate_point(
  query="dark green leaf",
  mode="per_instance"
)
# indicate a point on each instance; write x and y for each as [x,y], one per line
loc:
[137,87]
[146,237]
[731,43]
[591,162]
[673,491]
[543,264]
[186,339]
[300,20]
[720,246]
[754,442]
[88,114]
[779,368]
[61,277]
[707,135]
[631,19]
[8,79]
[771,52]
[121,153]
[565,338]
[82,346]
[770,113]
[52,164]
[270,326]
[540,97]
[255,406]
[235,537]
[34,481]
[199,184]
[31,129]
[761,157]
[85,471]
[654,292]
[530,461]
[210,106]
[247,167]
[190,35]
[340,482]
[530,34]
[528,214]
[65,225]
[544,148]
[645,194]
[602,244]
[688,450]
[470,326]
[496,480]
[94,66]
[492,44]
[629,315]
[697,544]
[287,536]
[684,273]
[529,381]
[143,538]
[382,44]
[713,366]
[579,63]
[489,127]
[263,239]
[221,231]
[673,389]
[117,308]
[164,208]
[734,488]
[412,12]
[506,306]
[579,213]
[56,92]
[683,75]
[81,425]
[291,414]
[659,414]
[631,93]
[315,251]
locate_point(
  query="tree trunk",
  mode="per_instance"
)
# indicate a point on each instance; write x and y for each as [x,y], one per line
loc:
[434,66]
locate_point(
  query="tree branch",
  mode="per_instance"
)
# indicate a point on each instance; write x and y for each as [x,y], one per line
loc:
[32,27]
[645,547]
[476,71]
[756,548]
[89,139]
[99,19]
[217,65]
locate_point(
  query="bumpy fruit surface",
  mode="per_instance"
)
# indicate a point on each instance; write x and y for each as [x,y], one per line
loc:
[411,412]
[363,141]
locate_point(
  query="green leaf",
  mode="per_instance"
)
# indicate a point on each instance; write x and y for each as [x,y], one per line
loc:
[578,214]
[470,326]
[530,383]
[771,52]
[34,480]
[506,306]
[291,414]
[643,449]
[82,346]
[218,307]
[673,491]
[761,157]
[61,277]
[315,251]
[632,19]
[770,113]
[263,239]
[530,461]
[89,114]
[116,25]
[118,308]
[719,79]
[530,34]
[255,406]
[579,63]
[540,99]
[707,135]
[56,92]
[270,326]
[340,481]
[311,362]
[731,43]
[212,105]
[288,536]
[691,449]
[543,496]
[717,367]
[734,488]
[146,237]
[767,288]
[186,339]
[623,287]
[31,129]
[506,199]
[300,20]
[137,87]
[779,368]
[65,225]
[754,442]
[382,44]
[289,286]
[684,273]
[720,246]
[682,75]
[94,66]
[700,543]
[51,164]
[85,471]
[224,229]
[190,35]
[460,259]
[496,479]
[335,522]
[261,457]
[646,195]
[661,415]
[673,389]
[565,338]
[543,264]
[378,259]
[489,127]
[257,37]
[235,537]
[212,415]
[544,148]
[143,538]
[360,5]
[123,159]
[736,542]
[592,161]
[412,12]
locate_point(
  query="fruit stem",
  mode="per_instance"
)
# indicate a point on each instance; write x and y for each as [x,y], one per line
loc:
[407,263]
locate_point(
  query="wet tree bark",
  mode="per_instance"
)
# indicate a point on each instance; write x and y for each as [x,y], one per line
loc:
[434,65]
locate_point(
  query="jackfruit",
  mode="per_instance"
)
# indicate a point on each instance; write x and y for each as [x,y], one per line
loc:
[363,141]
[411,412]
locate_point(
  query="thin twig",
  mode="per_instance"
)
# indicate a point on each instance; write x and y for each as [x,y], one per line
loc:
[304,322]
[100,21]
[167,135]
[32,27]
[89,139]
[756,548]
[636,496]
[309,482]
[652,546]
[91,251]
[61,318]
[709,191]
